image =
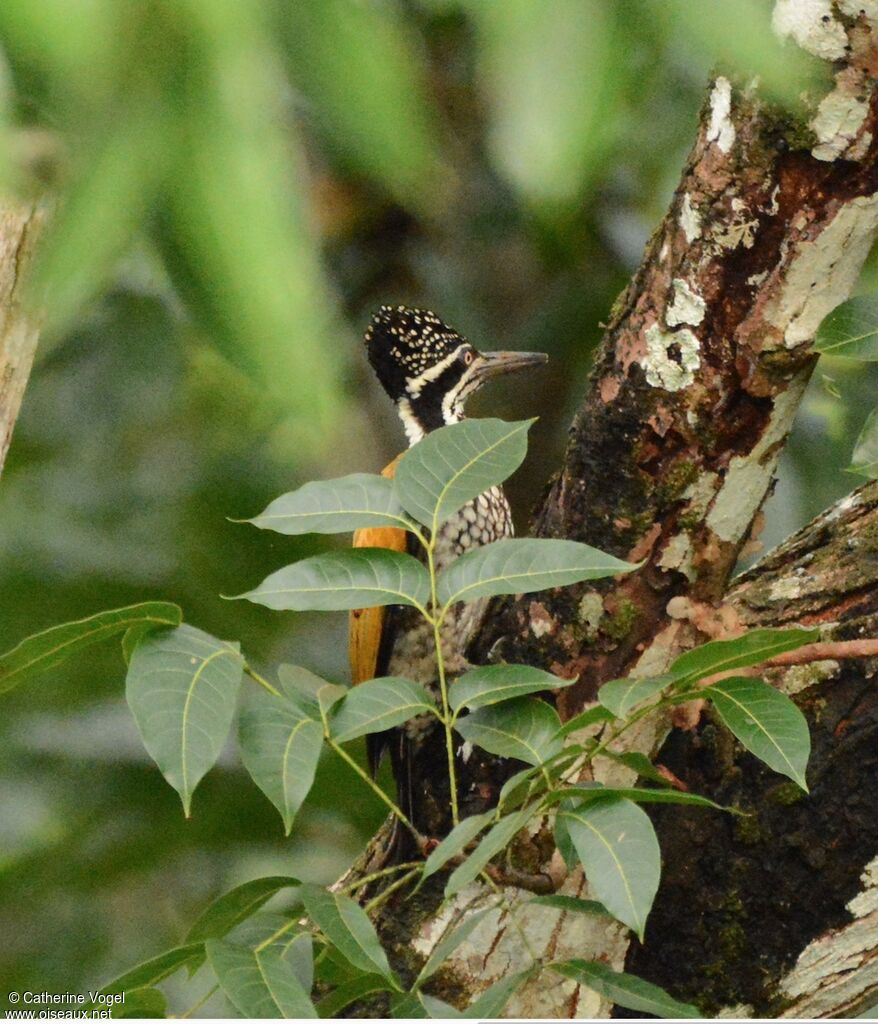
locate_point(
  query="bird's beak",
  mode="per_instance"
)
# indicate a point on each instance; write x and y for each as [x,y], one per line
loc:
[489,365]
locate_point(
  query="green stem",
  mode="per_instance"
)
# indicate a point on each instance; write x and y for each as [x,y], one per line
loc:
[199,1003]
[376,901]
[367,879]
[665,702]
[370,782]
[284,928]
[376,789]
[447,717]
[263,682]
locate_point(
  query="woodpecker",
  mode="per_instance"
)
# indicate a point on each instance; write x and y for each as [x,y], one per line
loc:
[429,371]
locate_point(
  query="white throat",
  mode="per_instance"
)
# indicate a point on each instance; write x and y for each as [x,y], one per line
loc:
[413,429]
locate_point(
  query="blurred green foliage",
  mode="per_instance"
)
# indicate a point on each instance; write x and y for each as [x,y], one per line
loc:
[235,187]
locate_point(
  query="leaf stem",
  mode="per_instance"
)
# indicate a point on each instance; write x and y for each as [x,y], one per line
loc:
[376,901]
[284,928]
[263,682]
[447,717]
[199,1003]
[376,789]
[367,879]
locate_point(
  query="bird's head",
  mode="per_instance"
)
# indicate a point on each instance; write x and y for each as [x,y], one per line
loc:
[428,369]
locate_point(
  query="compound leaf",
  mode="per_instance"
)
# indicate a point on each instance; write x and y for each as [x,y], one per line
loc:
[49,648]
[454,464]
[491,684]
[767,722]
[618,848]
[181,687]
[525,728]
[343,580]
[335,506]
[522,567]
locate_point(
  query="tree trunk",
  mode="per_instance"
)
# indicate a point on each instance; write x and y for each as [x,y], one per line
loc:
[18,330]
[671,456]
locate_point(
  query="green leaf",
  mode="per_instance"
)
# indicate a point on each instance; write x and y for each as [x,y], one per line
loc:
[335,506]
[616,843]
[749,649]
[154,970]
[490,684]
[454,464]
[341,580]
[525,728]
[864,461]
[522,567]
[851,330]
[280,748]
[576,796]
[348,928]
[134,634]
[260,927]
[258,983]
[229,910]
[496,840]
[639,763]
[492,1001]
[350,991]
[516,788]
[564,843]
[307,691]
[410,1006]
[621,695]
[625,989]
[433,1008]
[448,944]
[142,1003]
[457,839]
[298,951]
[181,687]
[49,648]
[591,716]
[571,904]
[378,704]
[767,722]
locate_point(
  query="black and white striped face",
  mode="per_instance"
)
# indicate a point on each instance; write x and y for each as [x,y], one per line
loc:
[428,369]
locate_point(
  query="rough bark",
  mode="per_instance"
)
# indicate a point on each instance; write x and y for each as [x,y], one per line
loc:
[673,452]
[18,330]
[777,914]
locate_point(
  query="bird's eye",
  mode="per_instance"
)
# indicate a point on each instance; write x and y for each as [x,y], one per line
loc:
[468,358]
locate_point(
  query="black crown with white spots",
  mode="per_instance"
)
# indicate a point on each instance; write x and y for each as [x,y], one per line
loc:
[402,343]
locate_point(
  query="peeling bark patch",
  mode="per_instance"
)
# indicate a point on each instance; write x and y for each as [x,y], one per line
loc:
[662,369]
[690,220]
[860,8]
[823,271]
[811,24]
[840,117]
[687,308]
[678,555]
[721,130]
[866,901]
[748,476]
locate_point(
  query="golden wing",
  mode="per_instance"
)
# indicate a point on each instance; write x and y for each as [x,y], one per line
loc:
[367,624]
